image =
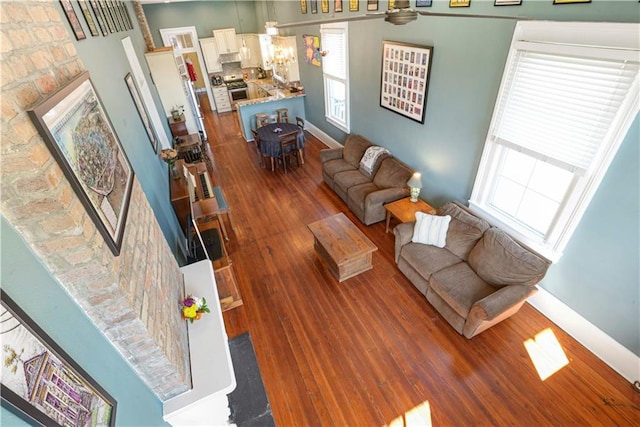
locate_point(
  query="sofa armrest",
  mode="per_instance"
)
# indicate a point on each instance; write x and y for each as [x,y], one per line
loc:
[330,154]
[496,307]
[403,234]
[386,195]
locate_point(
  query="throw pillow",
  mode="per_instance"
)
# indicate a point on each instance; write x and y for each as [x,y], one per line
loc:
[431,229]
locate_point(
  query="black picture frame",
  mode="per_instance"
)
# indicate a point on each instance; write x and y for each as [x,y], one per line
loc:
[102,23]
[405,73]
[76,128]
[125,15]
[107,16]
[337,5]
[507,2]
[84,7]
[142,112]
[424,3]
[324,5]
[72,17]
[314,6]
[570,1]
[372,5]
[303,6]
[354,5]
[459,3]
[55,378]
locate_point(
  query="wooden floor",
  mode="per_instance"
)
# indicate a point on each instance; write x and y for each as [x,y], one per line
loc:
[371,351]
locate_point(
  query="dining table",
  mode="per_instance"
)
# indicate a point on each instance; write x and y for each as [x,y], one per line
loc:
[269,137]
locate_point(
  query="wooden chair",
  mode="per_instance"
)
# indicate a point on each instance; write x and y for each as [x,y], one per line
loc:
[256,138]
[300,122]
[283,115]
[289,148]
[261,119]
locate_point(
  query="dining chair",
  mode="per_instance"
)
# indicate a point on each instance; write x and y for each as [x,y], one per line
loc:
[300,122]
[256,138]
[261,119]
[289,148]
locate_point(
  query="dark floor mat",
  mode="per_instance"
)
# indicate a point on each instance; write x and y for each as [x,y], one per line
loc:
[248,402]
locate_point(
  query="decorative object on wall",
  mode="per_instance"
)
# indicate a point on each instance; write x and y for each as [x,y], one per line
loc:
[507,2]
[324,4]
[73,19]
[391,5]
[337,5]
[79,134]
[125,15]
[303,6]
[84,7]
[314,6]
[405,78]
[102,23]
[424,3]
[312,53]
[570,1]
[459,3]
[107,15]
[354,5]
[117,17]
[41,383]
[372,4]
[146,122]
[192,308]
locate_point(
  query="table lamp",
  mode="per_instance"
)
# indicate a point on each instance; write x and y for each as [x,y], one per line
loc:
[415,183]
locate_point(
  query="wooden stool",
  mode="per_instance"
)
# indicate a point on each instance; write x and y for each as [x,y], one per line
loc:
[283,115]
[261,119]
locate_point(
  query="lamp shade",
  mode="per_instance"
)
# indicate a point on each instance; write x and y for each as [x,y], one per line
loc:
[415,181]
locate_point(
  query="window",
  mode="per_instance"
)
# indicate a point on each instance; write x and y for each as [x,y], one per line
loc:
[565,104]
[335,69]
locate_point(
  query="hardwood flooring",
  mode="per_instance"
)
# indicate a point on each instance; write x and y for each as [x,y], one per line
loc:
[371,351]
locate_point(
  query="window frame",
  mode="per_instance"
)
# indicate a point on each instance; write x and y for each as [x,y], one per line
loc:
[566,37]
[327,78]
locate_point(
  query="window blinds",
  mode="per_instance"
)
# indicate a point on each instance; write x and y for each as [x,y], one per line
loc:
[334,63]
[560,108]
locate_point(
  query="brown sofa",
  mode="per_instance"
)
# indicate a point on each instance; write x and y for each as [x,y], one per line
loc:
[479,278]
[364,193]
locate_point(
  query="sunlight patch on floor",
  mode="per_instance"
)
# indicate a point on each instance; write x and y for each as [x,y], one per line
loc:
[417,416]
[546,353]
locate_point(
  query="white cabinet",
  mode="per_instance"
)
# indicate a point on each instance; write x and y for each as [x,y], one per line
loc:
[211,56]
[226,40]
[221,98]
[252,44]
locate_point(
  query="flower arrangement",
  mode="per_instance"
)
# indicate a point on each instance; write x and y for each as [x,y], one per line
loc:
[170,156]
[192,308]
[177,112]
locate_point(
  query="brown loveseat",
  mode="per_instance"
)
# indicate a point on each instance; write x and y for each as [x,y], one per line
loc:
[480,277]
[364,193]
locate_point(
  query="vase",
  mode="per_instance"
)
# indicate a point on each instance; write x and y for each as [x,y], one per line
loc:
[174,171]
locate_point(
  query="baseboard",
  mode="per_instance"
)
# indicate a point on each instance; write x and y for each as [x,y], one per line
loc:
[318,133]
[611,352]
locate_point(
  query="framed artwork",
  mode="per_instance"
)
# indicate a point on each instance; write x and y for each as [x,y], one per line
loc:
[303,6]
[392,4]
[507,2]
[354,5]
[41,383]
[99,17]
[459,3]
[107,15]
[337,5]
[570,1]
[137,100]
[314,6]
[424,3]
[79,134]
[324,4]
[113,7]
[405,78]
[125,16]
[312,53]
[372,4]
[84,7]
[73,19]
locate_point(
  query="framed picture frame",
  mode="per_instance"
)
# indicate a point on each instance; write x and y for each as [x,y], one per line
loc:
[113,7]
[405,75]
[424,3]
[324,5]
[372,5]
[142,112]
[79,134]
[354,5]
[507,2]
[72,17]
[41,383]
[125,16]
[391,4]
[99,17]
[314,6]
[570,1]
[337,5]
[107,15]
[93,28]
[303,6]
[459,3]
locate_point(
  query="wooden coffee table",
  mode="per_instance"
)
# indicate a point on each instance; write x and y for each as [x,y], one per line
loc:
[404,210]
[342,247]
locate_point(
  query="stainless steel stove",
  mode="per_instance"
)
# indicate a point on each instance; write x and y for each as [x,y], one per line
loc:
[237,88]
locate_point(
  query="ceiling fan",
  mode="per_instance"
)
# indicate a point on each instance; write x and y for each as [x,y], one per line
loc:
[401,14]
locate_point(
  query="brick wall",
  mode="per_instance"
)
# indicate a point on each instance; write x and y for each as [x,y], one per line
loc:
[132,298]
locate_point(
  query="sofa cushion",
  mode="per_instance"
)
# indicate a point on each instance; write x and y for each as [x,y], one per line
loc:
[332,167]
[465,229]
[354,148]
[371,160]
[500,261]
[357,194]
[427,259]
[392,173]
[431,229]
[460,287]
[347,179]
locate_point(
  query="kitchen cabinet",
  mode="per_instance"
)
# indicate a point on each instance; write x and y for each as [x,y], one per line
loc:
[221,98]
[226,40]
[256,91]
[252,43]
[211,55]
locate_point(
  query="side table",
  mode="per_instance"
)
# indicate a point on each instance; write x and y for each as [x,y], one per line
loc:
[404,210]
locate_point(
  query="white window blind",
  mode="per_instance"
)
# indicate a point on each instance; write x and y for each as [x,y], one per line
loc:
[560,108]
[334,63]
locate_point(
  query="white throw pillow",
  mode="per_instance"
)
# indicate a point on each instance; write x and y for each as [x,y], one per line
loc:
[431,229]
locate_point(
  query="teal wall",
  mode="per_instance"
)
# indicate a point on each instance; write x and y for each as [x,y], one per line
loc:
[48,304]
